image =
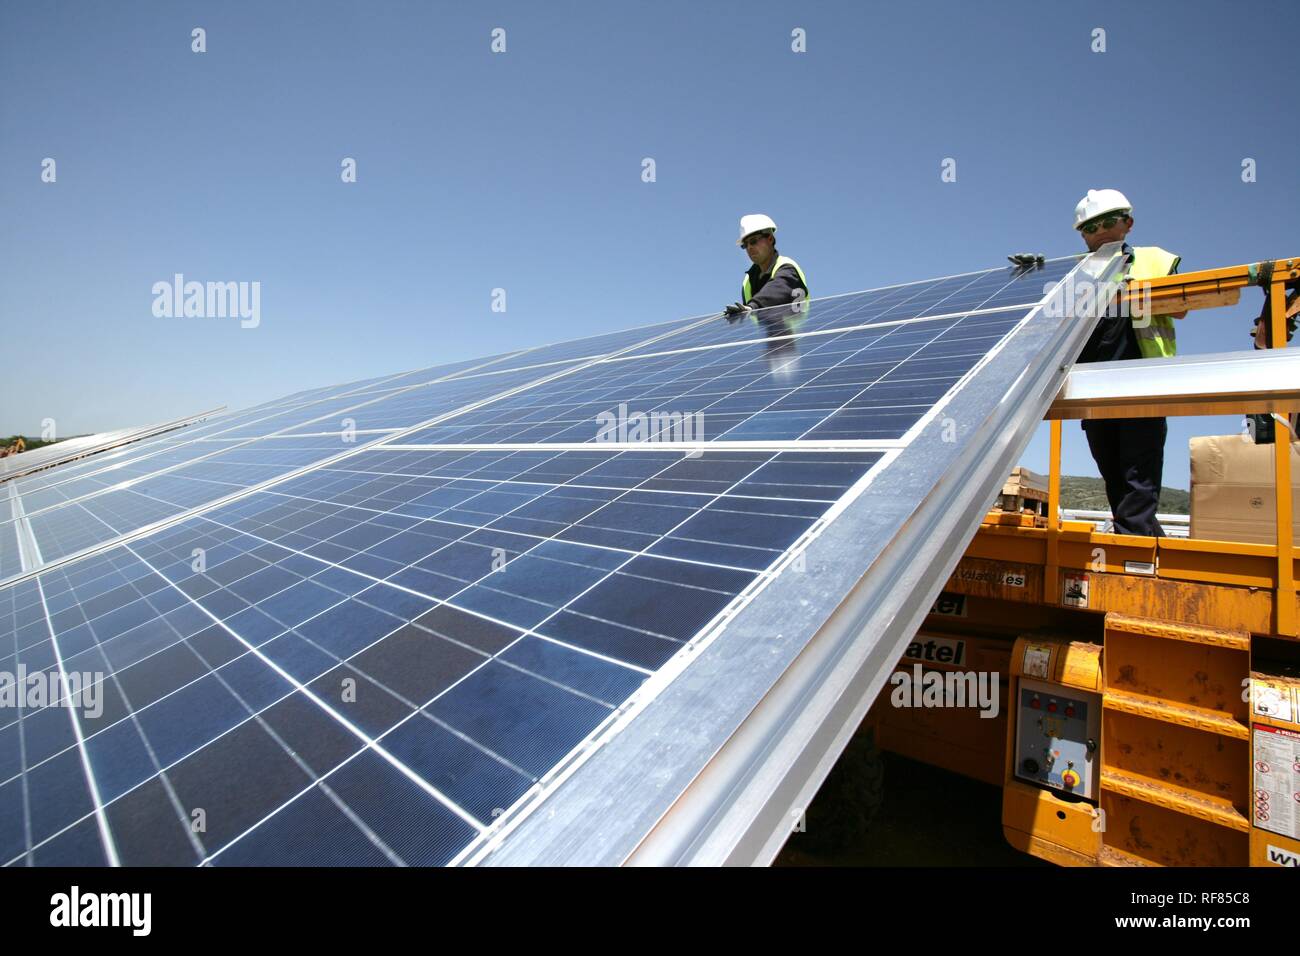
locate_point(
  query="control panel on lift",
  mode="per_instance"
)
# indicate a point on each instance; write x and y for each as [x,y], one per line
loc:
[1057,729]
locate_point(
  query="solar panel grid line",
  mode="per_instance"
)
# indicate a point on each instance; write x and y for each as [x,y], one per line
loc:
[184,821]
[576,485]
[605,812]
[215,673]
[900,363]
[470,530]
[876,305]
[22,749]
[974,278]
[829,444]
[219,500]
[116,462]
[693,375]
[335,432]
[475,365]
[895,606]
[242,444]
[462,372]
[698,382]
[219,851]
[101,820]
[274,409]
[161,773]
[351,727]
[712,628]
[955,275]
[802,336]
[29,552]
[340,517]
[409,430]
[113,458]
[824,372]
[860,302]
[17,466]
[952,387]
[673,668]
[308,771]
[916,289]
[988,356]
[666,330]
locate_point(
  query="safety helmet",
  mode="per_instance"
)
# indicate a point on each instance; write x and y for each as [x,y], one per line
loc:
[756,222]
[1098,202]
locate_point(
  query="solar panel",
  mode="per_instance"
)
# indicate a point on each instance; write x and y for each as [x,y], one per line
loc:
[394,652]
[81,446]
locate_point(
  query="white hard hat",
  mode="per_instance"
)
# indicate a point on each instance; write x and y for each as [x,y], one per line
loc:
[755,222]
[1098,202]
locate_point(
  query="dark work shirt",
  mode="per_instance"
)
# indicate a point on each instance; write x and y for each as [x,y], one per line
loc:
[773,290]
[1113,339]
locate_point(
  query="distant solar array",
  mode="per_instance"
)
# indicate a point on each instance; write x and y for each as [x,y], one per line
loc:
[81,446]
[379,623]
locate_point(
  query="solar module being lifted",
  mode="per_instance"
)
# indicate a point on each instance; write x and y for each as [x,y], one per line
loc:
[649,581]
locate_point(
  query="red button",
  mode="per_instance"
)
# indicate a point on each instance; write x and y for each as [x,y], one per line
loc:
[1069,711]
[1035,703]
[1052,707]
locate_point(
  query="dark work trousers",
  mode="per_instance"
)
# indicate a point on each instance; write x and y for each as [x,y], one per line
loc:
[1130,453]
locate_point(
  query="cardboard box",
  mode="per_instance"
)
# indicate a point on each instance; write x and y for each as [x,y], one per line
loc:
[1232,490]
[1023,492]
[1026,484]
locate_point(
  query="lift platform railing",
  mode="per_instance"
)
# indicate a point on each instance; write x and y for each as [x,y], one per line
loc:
[1224,383]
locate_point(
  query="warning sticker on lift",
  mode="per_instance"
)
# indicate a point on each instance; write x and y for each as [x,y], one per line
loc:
[1074,589]
[1272,700]
[1276,797]
[1038,659]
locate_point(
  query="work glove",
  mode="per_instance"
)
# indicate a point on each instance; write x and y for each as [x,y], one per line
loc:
[1027,259]
[736,311]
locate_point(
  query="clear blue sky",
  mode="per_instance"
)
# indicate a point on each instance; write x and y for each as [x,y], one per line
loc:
[522,171]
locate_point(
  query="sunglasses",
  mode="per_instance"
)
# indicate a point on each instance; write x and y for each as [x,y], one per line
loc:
[754,239]
[1106,223]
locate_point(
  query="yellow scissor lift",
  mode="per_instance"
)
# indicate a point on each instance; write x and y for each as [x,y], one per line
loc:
[1149,694]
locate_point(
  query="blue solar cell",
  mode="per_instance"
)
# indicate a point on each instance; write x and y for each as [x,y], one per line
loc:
[399,645]
[466,674]
[311,831]
[13,806]
[992,289]
[528,721]
[78,846]
[814,388]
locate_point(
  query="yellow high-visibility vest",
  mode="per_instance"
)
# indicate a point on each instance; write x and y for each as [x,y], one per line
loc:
[1155,334]
[801,308]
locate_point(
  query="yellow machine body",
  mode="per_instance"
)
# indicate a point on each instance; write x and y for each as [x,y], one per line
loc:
[1186,651]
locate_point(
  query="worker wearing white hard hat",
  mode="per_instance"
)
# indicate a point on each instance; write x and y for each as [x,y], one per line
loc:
[1098,203]
[773,280]
[1130,452]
